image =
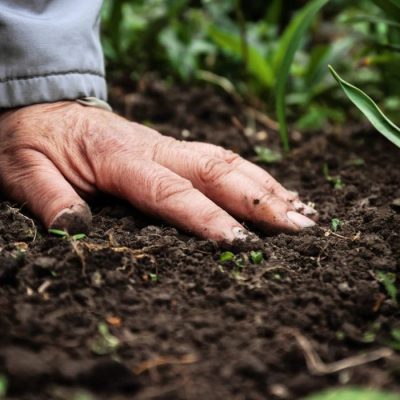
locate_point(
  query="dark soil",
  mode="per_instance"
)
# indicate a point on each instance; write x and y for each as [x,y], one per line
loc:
[188,326]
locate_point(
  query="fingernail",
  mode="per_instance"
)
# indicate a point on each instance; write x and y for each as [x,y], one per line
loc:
[304,208]
[75,219]
[300,220]
[240,233]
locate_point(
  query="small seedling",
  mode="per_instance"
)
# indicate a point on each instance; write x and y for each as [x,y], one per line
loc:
[388,280]
[355,162]
[352,393]
[226,256]
[105,343]
[153,277]
[256,256]
[82,396]
[335,181]
[370,335]
[266,155]
[3,386]
[66,235]
[335,224]
[395,343]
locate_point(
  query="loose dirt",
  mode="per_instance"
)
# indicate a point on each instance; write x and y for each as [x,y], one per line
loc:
[175,322]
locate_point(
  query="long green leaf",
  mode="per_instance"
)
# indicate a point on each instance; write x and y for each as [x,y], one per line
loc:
[390,7]
[370,109]
[353,394]
[291,42]
[258,66]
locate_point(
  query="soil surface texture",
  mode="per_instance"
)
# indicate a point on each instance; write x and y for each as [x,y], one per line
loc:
[139,310]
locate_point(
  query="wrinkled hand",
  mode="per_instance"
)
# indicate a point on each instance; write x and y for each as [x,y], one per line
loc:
[54,155]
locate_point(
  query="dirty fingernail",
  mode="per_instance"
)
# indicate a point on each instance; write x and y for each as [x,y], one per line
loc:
[304,208]
[75,219]
[300,220]
[240,233]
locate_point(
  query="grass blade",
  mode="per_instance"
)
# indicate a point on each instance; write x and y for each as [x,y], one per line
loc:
[290,43]
[370,109]
[257,65]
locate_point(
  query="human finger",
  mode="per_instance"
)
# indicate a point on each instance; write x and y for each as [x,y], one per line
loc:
[156,190]
[256,173]
[34,181]
[232,190]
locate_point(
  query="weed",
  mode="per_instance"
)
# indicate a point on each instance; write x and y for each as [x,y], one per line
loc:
[336,224]
[105,343]
[335,181]
[256,256]
[388,280]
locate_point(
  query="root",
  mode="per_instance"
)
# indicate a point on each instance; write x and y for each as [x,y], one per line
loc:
[317,367]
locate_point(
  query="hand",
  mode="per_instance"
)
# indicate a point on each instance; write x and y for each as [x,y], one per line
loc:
[54,155]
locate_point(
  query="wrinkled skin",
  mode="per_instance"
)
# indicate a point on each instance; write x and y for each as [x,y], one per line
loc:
[52,156]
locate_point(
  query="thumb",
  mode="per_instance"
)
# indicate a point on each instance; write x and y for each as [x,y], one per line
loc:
[42,188]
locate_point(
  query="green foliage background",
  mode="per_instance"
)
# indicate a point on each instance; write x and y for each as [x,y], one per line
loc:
[241,46]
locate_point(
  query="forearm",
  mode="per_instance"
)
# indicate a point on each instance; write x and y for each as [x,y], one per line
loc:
[50,51]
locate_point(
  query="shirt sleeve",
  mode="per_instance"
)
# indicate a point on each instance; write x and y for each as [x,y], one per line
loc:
[50,50]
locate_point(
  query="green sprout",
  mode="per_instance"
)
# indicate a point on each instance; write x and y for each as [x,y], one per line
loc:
[335,181]
[66,235]
[153,277]
[388,280]
[266,155]
[395,343]
[256,256]
[335,224]
[226,256]
[3,386]
[370,335]
[105,343]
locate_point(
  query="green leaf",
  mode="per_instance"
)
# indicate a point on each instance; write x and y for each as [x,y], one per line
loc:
[256,256]
[153,277]
[58,232]
[258,66]
[3,386]
[353,394]
[290,42]
[266,155]
[390,7]
[105,343]
[226,256]
[335,224]
[370,109]
[78,236]
[388,280]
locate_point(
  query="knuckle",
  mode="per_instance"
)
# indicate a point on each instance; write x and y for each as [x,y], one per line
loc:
[212,169]
[228,155]
[166,187]
[162,148]
[267,199]
[207,216]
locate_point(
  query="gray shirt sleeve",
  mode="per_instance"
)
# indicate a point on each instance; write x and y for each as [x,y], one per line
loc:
[50,50]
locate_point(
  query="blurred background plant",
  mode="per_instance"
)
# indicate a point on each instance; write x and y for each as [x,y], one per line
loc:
[273,55]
